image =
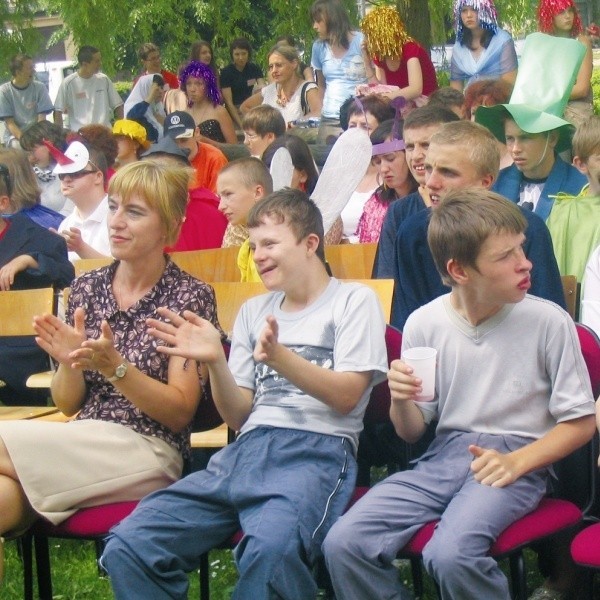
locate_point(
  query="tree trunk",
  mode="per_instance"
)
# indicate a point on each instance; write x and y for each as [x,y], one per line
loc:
[415,14]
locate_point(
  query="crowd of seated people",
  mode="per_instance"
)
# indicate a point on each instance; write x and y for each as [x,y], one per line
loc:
[189,162]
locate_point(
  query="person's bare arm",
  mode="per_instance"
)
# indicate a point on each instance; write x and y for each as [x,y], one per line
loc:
[415,82]
[315,102]
[14,266]
[321,83]
[499,470]
[233,112]
[75,243]
[172,404]
[250,103]
[59,339]
[12,127]
[581,89]
[58,118]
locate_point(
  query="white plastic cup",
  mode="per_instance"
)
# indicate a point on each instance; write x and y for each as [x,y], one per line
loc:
[422,360]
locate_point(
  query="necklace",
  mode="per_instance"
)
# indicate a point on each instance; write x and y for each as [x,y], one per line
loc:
[282,98]
[199,115]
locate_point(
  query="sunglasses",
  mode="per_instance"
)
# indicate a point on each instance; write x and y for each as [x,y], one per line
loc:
[4,172]
[76,175]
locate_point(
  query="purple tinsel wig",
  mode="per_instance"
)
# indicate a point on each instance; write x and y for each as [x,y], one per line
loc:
[201,71]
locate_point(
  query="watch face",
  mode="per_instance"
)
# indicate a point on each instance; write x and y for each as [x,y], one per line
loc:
[121,370]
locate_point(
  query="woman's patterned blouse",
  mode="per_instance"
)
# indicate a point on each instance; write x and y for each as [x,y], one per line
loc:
[175,290]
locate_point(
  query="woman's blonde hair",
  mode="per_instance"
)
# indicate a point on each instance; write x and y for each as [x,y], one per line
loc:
[24,190]
[164,187]
[288,52]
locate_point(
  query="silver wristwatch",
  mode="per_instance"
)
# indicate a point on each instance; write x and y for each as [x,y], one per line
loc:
[120,372]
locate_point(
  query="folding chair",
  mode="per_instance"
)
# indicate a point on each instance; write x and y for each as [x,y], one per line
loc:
[17,309]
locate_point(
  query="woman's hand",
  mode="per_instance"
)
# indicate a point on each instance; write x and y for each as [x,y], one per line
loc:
[99,354]
[11,268]
[57,338]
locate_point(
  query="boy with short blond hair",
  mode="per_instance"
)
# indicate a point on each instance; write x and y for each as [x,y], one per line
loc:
[240,185]
[303,360]
[505,411]
[262,125]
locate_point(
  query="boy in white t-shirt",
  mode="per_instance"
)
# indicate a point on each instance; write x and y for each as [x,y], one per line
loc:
[506,406]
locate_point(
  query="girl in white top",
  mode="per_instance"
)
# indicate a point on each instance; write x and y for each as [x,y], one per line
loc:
[291,95]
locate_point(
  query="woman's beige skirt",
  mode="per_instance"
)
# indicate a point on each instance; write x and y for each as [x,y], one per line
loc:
[66,466]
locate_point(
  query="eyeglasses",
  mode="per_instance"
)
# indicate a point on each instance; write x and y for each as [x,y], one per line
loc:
[5,173]
[76,175]
[251,136]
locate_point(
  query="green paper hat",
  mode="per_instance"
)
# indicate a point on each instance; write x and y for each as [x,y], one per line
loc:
[547,72]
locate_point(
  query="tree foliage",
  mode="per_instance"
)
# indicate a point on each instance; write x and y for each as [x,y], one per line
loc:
[16,34]
[119,27]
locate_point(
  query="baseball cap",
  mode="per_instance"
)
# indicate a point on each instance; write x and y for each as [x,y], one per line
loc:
[179,124]
[75,159]
[167,145]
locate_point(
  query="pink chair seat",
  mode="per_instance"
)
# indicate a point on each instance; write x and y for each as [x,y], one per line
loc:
[585,548]
[548,518]
[87,522]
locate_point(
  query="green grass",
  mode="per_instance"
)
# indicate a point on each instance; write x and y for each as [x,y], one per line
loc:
[75,576]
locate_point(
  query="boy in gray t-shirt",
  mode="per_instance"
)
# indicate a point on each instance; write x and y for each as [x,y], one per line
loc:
[507,403]
[302,364]
[23,100]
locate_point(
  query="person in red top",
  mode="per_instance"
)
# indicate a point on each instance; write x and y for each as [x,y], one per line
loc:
[149,54]
[204,225]
[398,59]
[207,160]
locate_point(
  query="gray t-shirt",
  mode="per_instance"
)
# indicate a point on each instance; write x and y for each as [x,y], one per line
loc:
[23,104]
[520,372]
[342,330]
[87,100]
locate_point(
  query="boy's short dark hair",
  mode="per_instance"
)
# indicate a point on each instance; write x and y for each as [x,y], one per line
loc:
[250,171]
[242,44]
[447,97]
[586,140]
[463,221]
[264,119]
[296,209]
[35,134]
[17,62]
[86,54]
[428,115]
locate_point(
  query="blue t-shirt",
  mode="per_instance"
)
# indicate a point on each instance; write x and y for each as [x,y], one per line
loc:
[341,75]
